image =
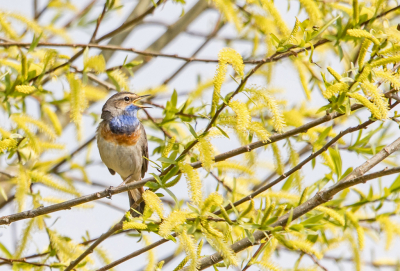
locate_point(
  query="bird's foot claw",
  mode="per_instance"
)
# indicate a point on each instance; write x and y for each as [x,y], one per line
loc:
[109,192]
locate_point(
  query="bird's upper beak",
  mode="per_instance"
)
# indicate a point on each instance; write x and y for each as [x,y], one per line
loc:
[140,98]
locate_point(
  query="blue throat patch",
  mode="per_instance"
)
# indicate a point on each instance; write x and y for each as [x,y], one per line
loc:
[127,123]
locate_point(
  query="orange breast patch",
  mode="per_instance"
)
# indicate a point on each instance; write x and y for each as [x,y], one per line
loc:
[121,139]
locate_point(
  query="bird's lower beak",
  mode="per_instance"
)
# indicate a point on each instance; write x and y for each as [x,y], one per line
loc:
[140,98]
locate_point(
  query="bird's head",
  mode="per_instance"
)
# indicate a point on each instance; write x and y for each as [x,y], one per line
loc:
[122,103]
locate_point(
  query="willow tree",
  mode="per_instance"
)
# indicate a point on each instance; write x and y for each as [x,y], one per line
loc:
[247,219]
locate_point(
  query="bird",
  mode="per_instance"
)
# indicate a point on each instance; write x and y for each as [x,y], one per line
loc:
[122,141]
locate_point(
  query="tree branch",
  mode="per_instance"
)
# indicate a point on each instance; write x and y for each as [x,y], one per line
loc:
[355,177]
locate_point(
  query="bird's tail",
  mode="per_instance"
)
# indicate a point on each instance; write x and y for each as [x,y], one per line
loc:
[135,195]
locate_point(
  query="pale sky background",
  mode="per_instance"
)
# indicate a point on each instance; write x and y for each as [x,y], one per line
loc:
[74,223]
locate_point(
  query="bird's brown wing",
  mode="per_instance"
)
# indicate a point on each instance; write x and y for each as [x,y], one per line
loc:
[145,150]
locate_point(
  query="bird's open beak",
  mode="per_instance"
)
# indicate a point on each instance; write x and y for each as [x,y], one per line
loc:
[140,98]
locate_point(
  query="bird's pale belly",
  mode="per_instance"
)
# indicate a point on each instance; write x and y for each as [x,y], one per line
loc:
[124,159]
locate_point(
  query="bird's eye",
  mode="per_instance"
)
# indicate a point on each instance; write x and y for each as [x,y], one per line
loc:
[126,98]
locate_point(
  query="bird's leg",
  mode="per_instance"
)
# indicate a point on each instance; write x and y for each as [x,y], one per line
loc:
[109,192]
[125,181]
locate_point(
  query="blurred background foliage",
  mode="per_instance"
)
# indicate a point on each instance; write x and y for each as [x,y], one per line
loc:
[46,90]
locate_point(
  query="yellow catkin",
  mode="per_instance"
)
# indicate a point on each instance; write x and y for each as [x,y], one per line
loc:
[206,153]
[303,78]
[103,255]
[214,199]
[378,98]
[22,120]
[190,247]
[292,38]
[312,10]
[225,56]
[25,237]
[95,63]
[364,101]
[269,6]
[335,89]
[363,52]
[332,213]
[168,147]
[234,166]
[267,265]
[242,113]
[259,130]
[227,8]
[154,91]
[359,33]
[29,23]
[262,97]
[154,202]
[25,89]
[151,257]
[279,166]
[23,186]
[11,64]
[356,253]
[65,249]
[193,182]
[78,102]
[388,228]
[388,76]
[201,87]
[95,94]
[120,79]
[222,247]
[172,222]
[6,28]
[385,61]
[356,13]
[53,119]
[7,145]
[59,32]
[337,76]
[41,177]
[360,231]
[307,247]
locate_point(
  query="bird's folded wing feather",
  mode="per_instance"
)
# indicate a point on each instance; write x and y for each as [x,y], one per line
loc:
[145,150]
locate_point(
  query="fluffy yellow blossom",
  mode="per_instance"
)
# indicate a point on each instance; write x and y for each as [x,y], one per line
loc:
[172,222]
[193,182]
[225,56]
[154,202]
[25,89]
[360,33]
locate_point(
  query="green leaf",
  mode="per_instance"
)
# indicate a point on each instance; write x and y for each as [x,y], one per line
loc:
[173,182]
[171,194]
[166,160]
[192,131]
[5,251]
[222,131]
[174,98]
[158,166]
[3,193]
[35,42]
[337,160]
[324,27]
[170,174]
[395,185]
[313,220]
[157,178]
[152,185]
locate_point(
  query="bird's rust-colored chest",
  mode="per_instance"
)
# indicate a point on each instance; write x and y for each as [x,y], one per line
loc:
[120,139]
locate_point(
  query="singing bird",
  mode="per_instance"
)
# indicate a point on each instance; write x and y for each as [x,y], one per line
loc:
[122,141]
